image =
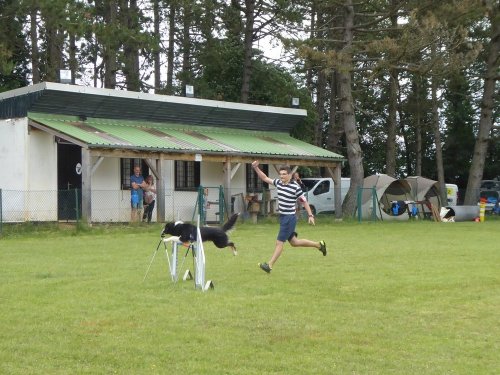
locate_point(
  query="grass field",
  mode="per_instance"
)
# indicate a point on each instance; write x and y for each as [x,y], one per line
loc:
[390,298]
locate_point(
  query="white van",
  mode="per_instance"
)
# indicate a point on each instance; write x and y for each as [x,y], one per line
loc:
[451,195]
[320,193]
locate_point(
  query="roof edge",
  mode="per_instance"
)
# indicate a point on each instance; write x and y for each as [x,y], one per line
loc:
[53,86]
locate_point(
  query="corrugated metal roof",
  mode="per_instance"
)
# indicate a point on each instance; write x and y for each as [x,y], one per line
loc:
[172,137]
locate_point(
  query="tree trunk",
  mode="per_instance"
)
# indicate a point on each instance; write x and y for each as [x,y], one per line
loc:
[186,50]
[418,132]
[390,145]
[308,65]
[320,108]
[335,131]
[156,51]
[73,63]
[171,49]
[354,154]
[404,134]
[486,119]
[35,55]
[390,154]
[130,19]
[54,41]
[110,45]
[437,141]
[248,49]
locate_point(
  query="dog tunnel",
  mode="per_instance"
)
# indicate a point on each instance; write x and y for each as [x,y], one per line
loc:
[462,213]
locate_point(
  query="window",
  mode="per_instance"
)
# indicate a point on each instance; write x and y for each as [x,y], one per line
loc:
[187,175]
[323,187]
[127,170]
[254,183]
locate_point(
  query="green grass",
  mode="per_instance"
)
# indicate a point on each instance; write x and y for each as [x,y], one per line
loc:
[390,298]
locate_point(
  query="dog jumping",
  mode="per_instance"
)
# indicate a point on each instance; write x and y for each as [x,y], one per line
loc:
[186,233]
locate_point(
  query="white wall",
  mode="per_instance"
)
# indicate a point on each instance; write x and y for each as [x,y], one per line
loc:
[109,202]
[41,161]
[13,134]
[13,144]
[29,161]
[41,176]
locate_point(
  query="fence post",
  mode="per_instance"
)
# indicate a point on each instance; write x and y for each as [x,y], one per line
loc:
[222,205]
[76,206]
[202,204]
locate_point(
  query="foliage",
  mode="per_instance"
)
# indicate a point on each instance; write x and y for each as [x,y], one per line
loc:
[13,48]
[220,73]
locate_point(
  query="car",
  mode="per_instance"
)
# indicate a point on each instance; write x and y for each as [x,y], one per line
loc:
[491,197]
[490,185]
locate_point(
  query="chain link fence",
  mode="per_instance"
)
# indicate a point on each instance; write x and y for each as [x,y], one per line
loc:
[113,206]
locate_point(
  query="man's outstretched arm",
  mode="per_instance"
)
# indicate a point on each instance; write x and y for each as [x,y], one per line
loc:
[262,175]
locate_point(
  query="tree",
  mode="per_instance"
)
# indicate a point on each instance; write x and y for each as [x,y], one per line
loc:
[249,21]
[459,134]
[487,103]
[129,17]
[13,48]
[354,153]
[106,32]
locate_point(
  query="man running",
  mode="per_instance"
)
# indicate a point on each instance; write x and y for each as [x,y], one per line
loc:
[289,191]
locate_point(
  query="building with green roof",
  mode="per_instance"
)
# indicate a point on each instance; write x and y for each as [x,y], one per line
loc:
[56,138]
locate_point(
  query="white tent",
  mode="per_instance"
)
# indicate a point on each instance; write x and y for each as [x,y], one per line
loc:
[425,190]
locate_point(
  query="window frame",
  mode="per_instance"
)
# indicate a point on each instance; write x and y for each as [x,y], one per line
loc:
[127,169]
[252,182]
[187,175]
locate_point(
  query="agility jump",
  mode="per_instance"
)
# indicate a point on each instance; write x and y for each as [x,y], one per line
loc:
[195,247]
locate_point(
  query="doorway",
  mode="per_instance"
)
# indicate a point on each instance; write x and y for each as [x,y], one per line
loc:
[69,181]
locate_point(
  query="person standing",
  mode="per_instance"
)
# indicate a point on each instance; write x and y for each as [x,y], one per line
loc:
[296,178]
[149,199]
[289,192]
[136,194]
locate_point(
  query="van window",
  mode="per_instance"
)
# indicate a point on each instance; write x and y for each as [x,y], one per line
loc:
[309,184]
[323,187]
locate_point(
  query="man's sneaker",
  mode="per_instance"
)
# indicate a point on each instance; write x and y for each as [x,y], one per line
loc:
[265,267]
[322,247]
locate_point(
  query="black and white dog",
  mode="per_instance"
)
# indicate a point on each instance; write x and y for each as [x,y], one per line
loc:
[186,233]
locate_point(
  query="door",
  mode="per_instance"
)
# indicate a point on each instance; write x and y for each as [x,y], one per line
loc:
[323,196]
[69,181]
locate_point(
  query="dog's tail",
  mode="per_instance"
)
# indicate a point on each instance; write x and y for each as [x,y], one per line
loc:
[230,223]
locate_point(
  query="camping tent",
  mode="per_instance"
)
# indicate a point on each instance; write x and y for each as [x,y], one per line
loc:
[424,189]
[387,190]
